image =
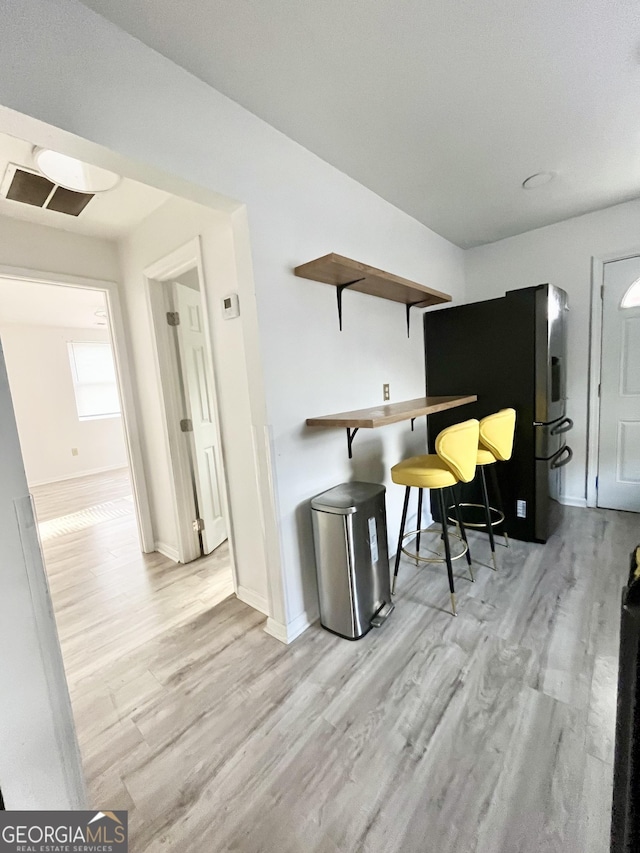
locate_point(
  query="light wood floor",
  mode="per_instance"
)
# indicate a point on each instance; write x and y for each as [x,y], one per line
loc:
[117,611]
[490,733]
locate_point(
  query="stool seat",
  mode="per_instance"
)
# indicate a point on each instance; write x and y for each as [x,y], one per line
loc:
[496,433]
[453,461]
[485,457]
[424,472]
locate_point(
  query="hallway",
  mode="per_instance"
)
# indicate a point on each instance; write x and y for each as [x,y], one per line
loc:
[121,615]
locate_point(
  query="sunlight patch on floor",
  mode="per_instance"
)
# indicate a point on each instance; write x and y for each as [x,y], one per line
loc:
[84,518]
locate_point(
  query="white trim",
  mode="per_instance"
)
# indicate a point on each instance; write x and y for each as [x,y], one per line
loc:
[125,387]
[253,599]
[262,439]
[595,346]
[166,378]
[168,551]
[78,475]
[62,279]
[133,439]
[194,248]
[164,271]
[595,367]
[51,656]
[267,491]
[181,260]
[288,633]
[277,630]
[567,500]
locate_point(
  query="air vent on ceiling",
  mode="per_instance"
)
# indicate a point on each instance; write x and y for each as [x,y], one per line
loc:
[29,187]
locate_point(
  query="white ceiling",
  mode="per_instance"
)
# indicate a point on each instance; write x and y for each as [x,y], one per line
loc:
[110,215]
[25,303]
[441,107]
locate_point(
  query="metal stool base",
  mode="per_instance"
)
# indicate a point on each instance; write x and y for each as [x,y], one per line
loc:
[417,557]
[481,525]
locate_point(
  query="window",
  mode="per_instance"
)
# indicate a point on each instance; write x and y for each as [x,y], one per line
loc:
[631,299]
[94,380]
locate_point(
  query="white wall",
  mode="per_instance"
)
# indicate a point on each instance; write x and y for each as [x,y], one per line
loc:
[39,756]
[38,247]
[173,225]
[44,402]
[111,90]
[560,254]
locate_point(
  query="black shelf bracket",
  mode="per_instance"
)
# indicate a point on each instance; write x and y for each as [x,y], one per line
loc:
[409,306]
[413,420]
[351,434]
[339,290]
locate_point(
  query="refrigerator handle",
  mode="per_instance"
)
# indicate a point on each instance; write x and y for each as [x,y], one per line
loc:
[564,426]
[558,462]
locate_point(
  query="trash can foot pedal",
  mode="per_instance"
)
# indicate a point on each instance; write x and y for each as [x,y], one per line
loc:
[382,615]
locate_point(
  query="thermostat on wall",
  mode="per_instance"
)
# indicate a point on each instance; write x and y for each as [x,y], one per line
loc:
[230,306]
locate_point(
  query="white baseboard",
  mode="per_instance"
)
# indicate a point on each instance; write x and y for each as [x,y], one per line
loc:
[77,475]
[253,599]
[169,551]
[287,633]
[567,500]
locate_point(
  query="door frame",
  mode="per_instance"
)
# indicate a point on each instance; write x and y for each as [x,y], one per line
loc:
[123,365]
[157,275]
[595,366]
[264,486]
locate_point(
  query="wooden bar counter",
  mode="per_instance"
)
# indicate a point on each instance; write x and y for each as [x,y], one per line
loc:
[390,413]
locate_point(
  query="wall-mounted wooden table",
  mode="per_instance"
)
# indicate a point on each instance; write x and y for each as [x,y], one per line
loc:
[391,413]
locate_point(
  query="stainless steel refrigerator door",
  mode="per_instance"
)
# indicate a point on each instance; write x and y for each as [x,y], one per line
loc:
[551,354]
[549,438]
[548,510]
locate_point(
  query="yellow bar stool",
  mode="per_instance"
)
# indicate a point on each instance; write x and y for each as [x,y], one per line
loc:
[496,436]
[453,461]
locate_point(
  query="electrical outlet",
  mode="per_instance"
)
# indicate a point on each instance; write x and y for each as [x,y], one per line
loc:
[74,451]
[385,392]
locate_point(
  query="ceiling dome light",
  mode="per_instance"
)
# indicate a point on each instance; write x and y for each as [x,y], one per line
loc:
[74,174]
[537,180]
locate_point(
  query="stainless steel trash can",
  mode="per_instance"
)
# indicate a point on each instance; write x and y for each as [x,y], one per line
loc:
[352,561]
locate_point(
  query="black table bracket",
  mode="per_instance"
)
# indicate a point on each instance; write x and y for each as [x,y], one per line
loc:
[409,306]
[339,290]
[351,434]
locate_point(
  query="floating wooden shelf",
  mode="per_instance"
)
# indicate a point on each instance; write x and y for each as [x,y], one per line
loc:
[343,272]
[390,414]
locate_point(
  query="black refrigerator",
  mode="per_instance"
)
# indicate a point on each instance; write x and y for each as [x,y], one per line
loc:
[511,352]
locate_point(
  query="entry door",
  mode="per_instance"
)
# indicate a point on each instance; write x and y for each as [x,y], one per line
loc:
[619,450]
[200,402]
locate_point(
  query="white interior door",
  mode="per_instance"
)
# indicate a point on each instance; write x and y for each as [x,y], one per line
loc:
[200,401]
[619,449]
